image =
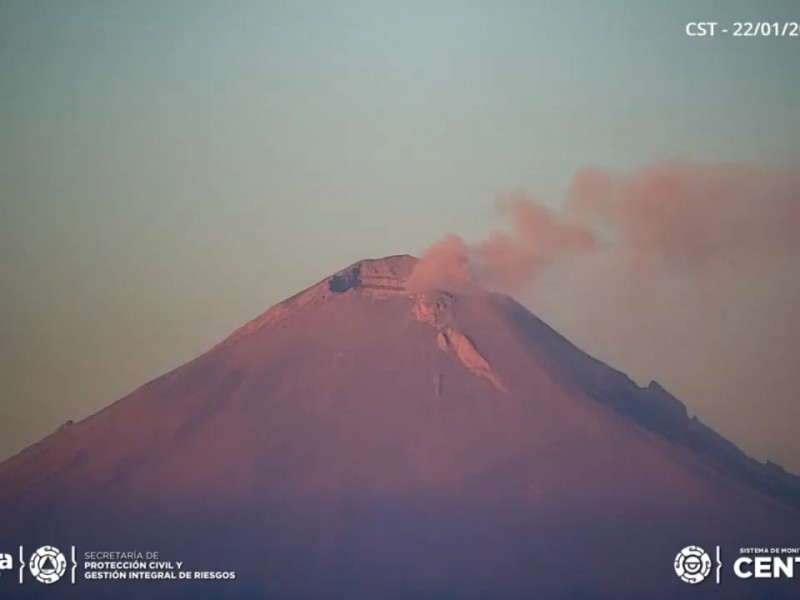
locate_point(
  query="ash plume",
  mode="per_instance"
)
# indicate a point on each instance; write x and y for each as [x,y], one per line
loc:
[671,217]
[689,217]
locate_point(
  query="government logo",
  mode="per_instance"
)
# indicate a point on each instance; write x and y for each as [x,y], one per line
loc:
[48,564]
[692,564]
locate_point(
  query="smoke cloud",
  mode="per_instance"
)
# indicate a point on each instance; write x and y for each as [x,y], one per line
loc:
[444,265]
[507,261]
[666,218]
[688,217]
[540,236]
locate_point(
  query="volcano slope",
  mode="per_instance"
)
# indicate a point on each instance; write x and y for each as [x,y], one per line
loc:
[362,441]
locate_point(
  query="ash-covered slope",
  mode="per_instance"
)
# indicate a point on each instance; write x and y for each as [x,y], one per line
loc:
[361,441]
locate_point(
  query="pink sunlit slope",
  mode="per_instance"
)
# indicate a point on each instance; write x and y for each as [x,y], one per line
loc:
[363,441]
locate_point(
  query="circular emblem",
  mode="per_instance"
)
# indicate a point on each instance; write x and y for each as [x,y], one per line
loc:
[693,564]
[48,564]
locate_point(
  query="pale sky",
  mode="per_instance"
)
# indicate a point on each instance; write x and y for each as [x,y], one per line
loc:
[168,170]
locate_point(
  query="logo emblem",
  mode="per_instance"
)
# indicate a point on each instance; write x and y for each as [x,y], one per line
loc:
[48,564]
[692,564]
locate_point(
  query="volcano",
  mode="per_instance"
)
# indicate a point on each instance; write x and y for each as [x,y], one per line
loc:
[360,440]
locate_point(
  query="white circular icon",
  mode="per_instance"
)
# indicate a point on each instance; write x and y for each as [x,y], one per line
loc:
[48,564]
[693,564]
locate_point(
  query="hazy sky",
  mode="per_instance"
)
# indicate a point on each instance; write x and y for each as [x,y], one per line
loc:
[170,169]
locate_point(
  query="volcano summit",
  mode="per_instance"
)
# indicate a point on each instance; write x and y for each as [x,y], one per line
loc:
[359,440]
